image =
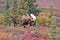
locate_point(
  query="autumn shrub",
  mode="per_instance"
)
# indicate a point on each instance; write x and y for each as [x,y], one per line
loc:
[43,20]
[30,36]
[53,26]
[1,18]
[6,36]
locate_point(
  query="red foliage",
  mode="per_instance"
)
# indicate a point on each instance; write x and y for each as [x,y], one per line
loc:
[35,38]
[2,27]
[31,36]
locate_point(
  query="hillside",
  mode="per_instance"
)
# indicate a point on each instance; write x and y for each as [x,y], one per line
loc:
[3,3]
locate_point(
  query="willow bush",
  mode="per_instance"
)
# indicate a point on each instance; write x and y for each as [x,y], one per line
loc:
[43,20]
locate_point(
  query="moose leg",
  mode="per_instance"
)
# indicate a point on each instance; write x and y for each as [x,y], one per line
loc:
[15,23]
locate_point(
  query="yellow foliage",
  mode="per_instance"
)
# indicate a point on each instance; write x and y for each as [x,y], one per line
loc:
[43,20]
[1,18]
